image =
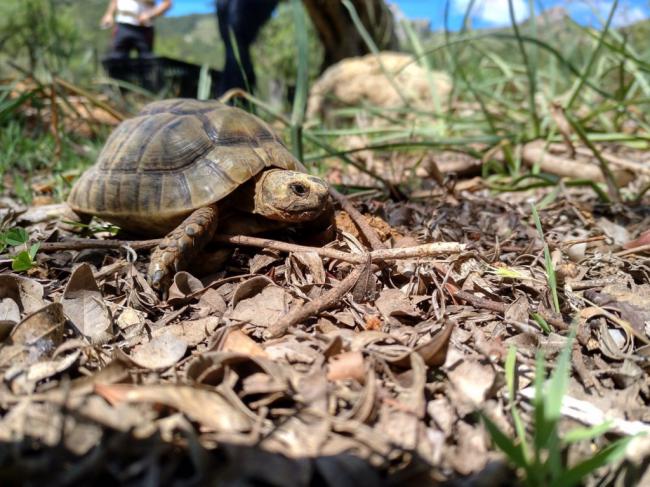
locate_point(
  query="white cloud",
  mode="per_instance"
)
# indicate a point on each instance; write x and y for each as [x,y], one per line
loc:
[493,12]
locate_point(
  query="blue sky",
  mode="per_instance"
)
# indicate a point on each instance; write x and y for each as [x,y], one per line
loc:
[486,13]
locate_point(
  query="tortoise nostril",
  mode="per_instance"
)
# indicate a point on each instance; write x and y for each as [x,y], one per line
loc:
[299,189]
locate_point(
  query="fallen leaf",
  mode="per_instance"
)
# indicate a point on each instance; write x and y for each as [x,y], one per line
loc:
[183,288]
[208,408]
[160,353]
[393,303]
[517,311]
[24,381]
[473,380]
[264,308]
[263,259]
[434,352]
[239,342]
[249,288]
[35,337]
[84,306]
[130,317]
[347,365]
[9,310]
[211,303]
[191,332]
[27,293]
[313,263]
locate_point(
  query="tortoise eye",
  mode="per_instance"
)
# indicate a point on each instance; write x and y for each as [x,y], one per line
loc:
[299,189]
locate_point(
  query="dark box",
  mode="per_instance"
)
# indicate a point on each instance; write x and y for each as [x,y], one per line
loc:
[161,75]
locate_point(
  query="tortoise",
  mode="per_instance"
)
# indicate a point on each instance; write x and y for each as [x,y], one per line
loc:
[181,166]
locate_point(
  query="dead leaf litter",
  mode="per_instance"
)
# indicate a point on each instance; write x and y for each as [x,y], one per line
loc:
[370,367]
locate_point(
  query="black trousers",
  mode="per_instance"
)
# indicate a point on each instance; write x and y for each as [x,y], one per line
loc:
[127,38]
[241,19]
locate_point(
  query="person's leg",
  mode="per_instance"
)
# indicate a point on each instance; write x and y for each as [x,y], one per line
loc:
[244,19]
[121,43]
[143,41]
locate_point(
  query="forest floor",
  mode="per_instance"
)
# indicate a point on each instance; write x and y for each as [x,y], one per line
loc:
[371,360]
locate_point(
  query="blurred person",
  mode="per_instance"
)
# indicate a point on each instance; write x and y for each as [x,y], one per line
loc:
[132,21]
[239,22]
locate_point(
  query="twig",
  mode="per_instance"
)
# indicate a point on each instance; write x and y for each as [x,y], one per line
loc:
[300,313]
[418,251]
[636,250]
[481,302]
[91,243]
[359,220]
[498,307]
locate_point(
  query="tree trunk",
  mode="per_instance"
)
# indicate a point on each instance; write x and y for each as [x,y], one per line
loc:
[340,37]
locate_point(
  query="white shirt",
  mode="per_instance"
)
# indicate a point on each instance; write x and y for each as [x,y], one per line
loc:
[128,11]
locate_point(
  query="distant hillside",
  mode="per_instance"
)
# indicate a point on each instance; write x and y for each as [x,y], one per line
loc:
[193,38]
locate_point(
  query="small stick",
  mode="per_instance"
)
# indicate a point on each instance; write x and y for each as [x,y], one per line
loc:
[479,302]
[498,307]
[636,250]
[418,251]
[327,300]
[91,243]
[359,220]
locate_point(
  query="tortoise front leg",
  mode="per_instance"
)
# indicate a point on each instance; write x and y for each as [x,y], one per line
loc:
[180,246]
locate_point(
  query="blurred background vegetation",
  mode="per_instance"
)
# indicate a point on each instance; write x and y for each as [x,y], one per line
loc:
[548,78]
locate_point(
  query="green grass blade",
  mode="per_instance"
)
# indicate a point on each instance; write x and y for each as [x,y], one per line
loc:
[559,380]
[205,83]
[548,263]
[505,444]
[511,382]
[592,59]
[531,71]
[582,434]
[611,453]
[300,99]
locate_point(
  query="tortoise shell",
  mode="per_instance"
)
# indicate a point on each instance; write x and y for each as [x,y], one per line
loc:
[175,156]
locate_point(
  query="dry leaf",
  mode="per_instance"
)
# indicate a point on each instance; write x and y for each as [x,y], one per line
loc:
[313,263]
[517,311]
[160,353]
[473,379]
[264,308]
[35,337]
[24,381]
[44,328]
[208,408]
[9,310]
[84,306]
[347,365]
[393,302]
[27,293]
[130,317]
[249,288]
[183,288]
[237,341]
[191,332]
[211,303]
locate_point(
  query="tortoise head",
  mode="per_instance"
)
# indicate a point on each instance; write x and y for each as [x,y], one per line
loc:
[290,196]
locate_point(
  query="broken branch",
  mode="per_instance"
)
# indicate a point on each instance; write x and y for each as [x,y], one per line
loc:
[327,300]
[417,251]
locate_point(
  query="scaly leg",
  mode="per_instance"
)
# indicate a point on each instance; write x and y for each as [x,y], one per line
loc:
[180,246]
